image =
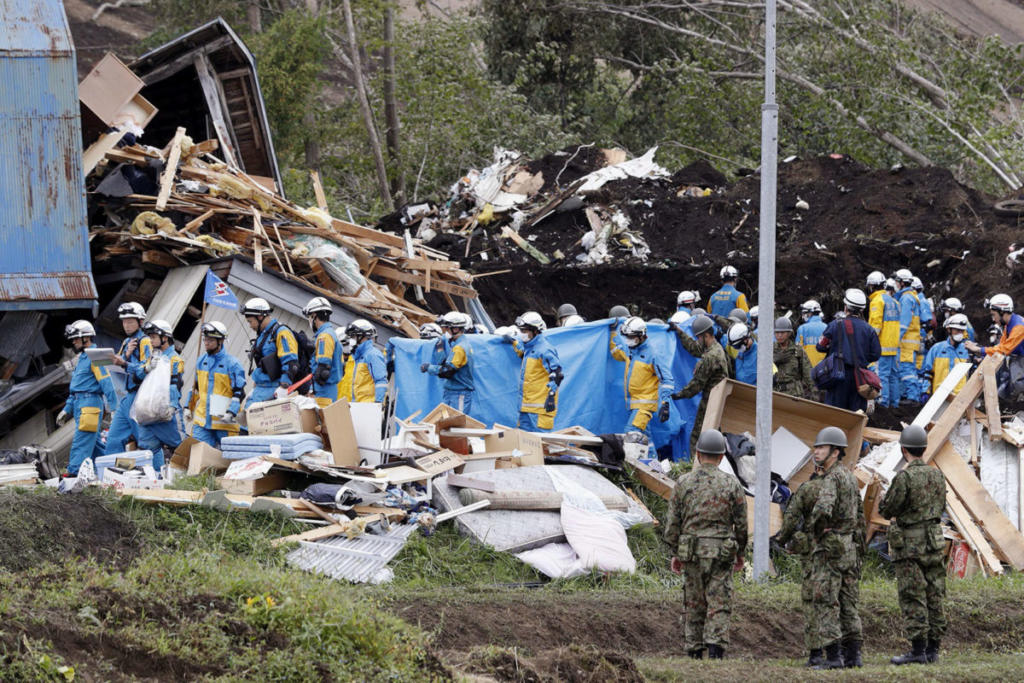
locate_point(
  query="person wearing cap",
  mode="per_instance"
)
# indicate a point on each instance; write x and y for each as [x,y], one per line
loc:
[712,367]
[915,502]
[539,375]
[686,300]
[565,311]
[90,387]
[706,530]
[647,378]
[838,537]
[910,335]
[369,370]
[884,318]
[618,311]
[752,316]
[793,376]
[743,365]
[724,324]
[809,332]
[728,297]
[218,391]
[274,358]
[944,355]
[348,346]
[859,346]
[1011,343]
[327,364]
[170,433]
[928,324]
[135,351]
[456,368]
[952,306]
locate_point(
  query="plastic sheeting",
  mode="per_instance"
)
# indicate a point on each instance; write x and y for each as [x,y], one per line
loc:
[591,395]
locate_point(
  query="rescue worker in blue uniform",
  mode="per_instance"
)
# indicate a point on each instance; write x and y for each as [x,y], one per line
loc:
[135,351]
[809,333]
[539,375]
[90,385]
[910,335]
[686,300]
[327,364]
[952,306]
[884,318]
[647,379]
[274,357]
[456,368]
[169,434]
[218,391]
[370,376]
[744,364]
[728,297]
[944,355]
[859,345]
[928,324]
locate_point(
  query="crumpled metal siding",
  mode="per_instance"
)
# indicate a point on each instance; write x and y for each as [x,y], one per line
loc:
[44,245]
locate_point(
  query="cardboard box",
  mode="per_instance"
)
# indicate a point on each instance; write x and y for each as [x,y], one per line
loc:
[272,481]
[281,416]
[205,457]
[108,88]
[341,434]
[182,454]
[446,417]
[527,443]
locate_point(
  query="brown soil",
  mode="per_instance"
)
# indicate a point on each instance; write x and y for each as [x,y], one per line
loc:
[573,664]
[51,528]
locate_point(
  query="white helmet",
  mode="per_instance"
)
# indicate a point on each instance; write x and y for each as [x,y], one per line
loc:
[427,331]
[573,320]
[532,320]
[360,328]
[737,333]
[316,305]
[957,321]
[131,309]
[215,330]
[161,327]
[687,298]
[953,304]
[855,299]
[810,307]
[506,331]
[455,319]
[891,285]
[347,342]
[679,317]
[1001,303]
[634,327]
[256,306]
[753,314]
[904,275]
[728,273]
[917,285]
[876,279]
[79,329]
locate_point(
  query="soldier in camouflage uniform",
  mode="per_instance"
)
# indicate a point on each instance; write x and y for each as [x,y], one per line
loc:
[707,531]
[837,527]
[795,525]
[711,369]
[793,374]
[914,502]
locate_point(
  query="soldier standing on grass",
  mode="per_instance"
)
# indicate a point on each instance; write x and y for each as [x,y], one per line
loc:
[707,531]
[837,525]
[914,503]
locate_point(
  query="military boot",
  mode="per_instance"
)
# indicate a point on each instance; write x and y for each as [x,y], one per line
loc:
[915,656]
[851,655]
[833,658]
[696,653]
[715,651]
[815,658]
[931,651]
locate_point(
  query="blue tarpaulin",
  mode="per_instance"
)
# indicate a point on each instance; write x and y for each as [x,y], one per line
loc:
[591,395]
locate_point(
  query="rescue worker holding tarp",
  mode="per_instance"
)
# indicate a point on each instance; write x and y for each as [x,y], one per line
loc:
[706,529]
[884,319]
[744,364]
[1011,344]
[910,335]
[153,437]
[809,333]
[135,351]
[369,374]
[795,530]
[90,385]
[944,355]
[857,342]
[647,379]
[794,367]
[686,300]
[456,366]
[915,502]
[566,312]
[728,297]
[219,389]
[712,367]
[327,364]
[539,376]
[838,530]
[274,358]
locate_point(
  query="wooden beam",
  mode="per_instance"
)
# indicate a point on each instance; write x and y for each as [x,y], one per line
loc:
[533,251]
[170,169]
[346,228]
[159,258]
[970,531]
[318,190]
[418,279]
[956,410]
[214,103]
[938,399]
[991,389]
[195,223]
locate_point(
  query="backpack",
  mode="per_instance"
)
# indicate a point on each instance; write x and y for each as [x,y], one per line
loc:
[270,363]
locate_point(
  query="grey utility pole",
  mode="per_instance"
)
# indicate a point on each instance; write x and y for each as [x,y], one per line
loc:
[766,298]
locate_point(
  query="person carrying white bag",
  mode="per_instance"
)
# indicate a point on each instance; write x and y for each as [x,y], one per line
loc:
[157,408]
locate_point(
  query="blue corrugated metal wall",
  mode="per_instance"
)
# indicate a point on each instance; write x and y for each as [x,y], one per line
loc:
[44,247]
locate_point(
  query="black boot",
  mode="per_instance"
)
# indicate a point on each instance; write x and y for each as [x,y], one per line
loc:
[715,651]
[815,658]
[851,655]
[833,658]
[696,653]
[931,651]
[915,656]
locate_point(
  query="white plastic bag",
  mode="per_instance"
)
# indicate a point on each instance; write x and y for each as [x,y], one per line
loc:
[153,402]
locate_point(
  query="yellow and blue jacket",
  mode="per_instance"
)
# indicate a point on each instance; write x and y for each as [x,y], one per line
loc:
[219,375]
[647,380]
[455,368]
[940,360]
[884,317]
[135,359]
[727,298]
[910,324]
[327,365]
[177,370]
[345,385]
[92,382]
[275,340]
[808,335]
[369,374]
[539,375]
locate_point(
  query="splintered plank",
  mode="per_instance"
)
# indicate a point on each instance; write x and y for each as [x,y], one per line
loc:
[957,409]
[524,245]
[167,179]
[995,423]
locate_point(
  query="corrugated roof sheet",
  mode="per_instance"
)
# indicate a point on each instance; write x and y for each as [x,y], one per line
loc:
[34,27]
[175,293]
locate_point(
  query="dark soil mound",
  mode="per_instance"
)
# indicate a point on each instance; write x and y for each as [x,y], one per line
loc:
[562,168]
[573,664]
[50,528]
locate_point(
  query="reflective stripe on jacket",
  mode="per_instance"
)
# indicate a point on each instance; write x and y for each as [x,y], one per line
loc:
[648,380]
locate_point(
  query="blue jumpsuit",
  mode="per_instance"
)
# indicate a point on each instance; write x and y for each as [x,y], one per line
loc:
[370,374]
[724,300]
[122,426]
[90,385]
[745,365]
[647,382]
[153,437]
[274,340]
[910,343]
[327,354]
[539,375]
[223,376]
[458,384]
